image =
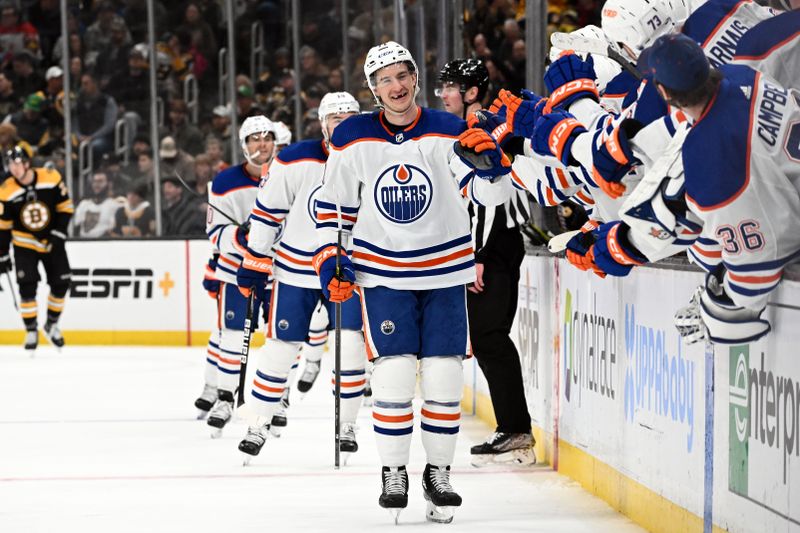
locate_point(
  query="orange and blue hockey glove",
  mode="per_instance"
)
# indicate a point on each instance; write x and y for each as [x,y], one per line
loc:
[554,134]
[569,78]
[337,287]
[253,274]
[612,156]
[480,151]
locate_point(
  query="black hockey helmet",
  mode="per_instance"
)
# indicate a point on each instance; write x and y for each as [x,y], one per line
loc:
[17,153]
[468,73]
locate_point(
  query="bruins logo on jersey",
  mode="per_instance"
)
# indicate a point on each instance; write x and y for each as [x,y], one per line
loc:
[35,216]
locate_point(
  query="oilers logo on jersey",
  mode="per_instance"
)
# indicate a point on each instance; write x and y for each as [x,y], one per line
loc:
[312,203]
[403,193]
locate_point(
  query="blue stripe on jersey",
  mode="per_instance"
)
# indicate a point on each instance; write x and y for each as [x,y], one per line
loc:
[702,22]
[464,181]
[413,274]
[762,37]
[269,378]
[334,225]
[766,265]
[413,253]
[751,292]
[308,272]
[296,250]
[351,394]
[385,431]
[264,221]
[226,371]
[232,178]
[708,267]
[211,361]
[353,372]
[261,206]
[368,126]
[438,429]
[707,241]
[226,269]
[332,207]
[265,398]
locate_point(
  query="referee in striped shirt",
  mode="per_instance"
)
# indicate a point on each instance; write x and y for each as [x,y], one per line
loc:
[492,299]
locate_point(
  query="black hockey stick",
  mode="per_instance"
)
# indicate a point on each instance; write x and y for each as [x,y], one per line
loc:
[11,290]
[247,330]
[337,359]
[200,196]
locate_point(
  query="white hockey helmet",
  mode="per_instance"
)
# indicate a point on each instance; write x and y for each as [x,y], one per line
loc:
[605,68]
[283,135]
[384,55]
[251,125]
[638,23]
[333,104]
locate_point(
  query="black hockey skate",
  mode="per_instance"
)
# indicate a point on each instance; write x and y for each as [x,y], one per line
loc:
[347,438]
[31,341]
[53,334]
[252,443]
[310,373]
[205,401]
[279,419]
[505,448]
[442,499]
[394,496]
[221,413]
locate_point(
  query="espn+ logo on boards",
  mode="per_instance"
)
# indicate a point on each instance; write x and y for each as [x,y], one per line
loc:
[763,422]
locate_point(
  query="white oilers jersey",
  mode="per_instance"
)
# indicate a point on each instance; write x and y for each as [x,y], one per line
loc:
[287,200]
[773,47]
[402,201]
[746,190]
[718,26]
[233,192]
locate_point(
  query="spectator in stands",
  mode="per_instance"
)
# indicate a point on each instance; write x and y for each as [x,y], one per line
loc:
[136,217]
[15,35]
[316,33]
[203,173]
[10,101]
[113,59]
[496,79]
[215,153]
[31,125]
[335,80]
[175,161]
[186,135]
[180,216]
[145,169]
[221,129]
[311,70]
[119,180]
[73,28]
[95,116]
[131,90]
[245,102]
[202,36]
[8,140]
[511,34]
[45,16]
[54,96]
[24,75]
[480,48]
[135,16]
[515,68]
[99,35]
[95,215]
[75,73]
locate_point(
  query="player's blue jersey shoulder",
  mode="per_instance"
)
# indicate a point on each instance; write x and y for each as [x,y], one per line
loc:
[373,126]
[766,35]
[704,20]
[649,104]
[620,85]
[715,153]
[234,177]
[309,149]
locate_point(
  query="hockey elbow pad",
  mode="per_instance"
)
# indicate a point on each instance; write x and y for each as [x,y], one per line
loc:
[569,78]
[554,135]
[613,158]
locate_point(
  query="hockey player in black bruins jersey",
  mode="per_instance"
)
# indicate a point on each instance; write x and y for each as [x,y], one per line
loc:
[35,209]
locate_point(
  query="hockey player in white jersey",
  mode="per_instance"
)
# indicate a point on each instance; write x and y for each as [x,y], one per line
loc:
[393,188]
[773,46]
[285,209]
[744,191]
[233,192]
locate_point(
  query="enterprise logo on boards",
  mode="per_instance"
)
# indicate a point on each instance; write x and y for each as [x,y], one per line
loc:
[403,193]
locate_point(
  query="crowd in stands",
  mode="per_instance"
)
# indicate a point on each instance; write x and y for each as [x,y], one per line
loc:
[109,73]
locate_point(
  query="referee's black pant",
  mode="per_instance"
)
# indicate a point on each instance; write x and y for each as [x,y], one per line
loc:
[491,313]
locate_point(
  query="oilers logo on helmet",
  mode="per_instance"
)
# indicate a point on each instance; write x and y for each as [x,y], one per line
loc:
[403,193]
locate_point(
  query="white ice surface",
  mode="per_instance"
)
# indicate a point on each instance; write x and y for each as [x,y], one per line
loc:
[98,439]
